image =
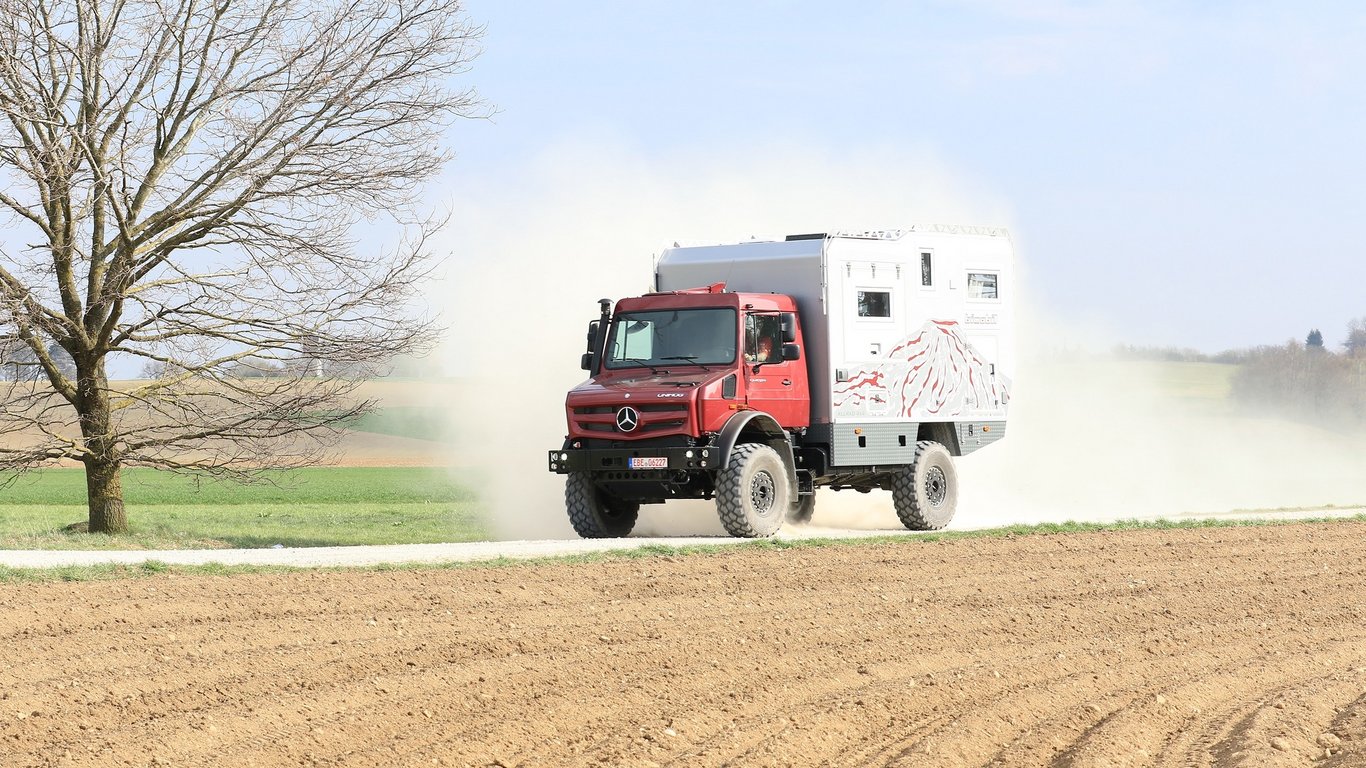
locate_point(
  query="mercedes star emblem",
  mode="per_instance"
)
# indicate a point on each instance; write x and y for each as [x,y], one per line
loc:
[627,419]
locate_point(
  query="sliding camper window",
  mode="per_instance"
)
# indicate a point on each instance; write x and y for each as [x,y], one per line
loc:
[982,285]
[874,303]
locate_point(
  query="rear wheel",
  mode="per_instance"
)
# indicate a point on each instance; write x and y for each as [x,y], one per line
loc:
[925,493]
[806,506]
[752,492]
[593,513]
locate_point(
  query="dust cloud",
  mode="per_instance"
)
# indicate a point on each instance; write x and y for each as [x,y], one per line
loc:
[1089,439]
[533,253]
[1101,440]
[1092,438]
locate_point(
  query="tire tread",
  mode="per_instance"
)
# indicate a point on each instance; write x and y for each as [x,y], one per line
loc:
[906,496]
[587,510]
[730,505]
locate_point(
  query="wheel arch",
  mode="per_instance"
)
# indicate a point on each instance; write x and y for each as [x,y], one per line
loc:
[943,432]
[757,427]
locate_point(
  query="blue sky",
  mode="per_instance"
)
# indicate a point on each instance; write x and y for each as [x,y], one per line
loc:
[1174,174]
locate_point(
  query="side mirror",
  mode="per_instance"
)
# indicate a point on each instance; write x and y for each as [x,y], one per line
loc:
[592,332]
[792,352]
[789,323]
[589,361]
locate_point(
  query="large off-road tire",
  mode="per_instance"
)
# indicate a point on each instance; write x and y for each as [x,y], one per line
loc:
[801,513]
[594,514]
[752,492]
[925,493]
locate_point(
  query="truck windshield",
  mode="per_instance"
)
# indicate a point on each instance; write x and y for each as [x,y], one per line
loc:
[672,337]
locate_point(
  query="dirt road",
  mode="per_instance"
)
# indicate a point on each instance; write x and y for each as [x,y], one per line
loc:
[1216,647]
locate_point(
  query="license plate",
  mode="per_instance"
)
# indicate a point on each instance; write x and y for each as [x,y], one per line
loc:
[649,462]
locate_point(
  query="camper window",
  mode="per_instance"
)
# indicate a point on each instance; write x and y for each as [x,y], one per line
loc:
[926,268]
[874,304]
[982,285]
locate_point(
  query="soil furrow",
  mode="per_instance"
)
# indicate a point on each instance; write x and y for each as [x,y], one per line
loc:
[1234,646]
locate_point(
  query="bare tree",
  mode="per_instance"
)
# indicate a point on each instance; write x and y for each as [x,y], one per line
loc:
[17,361]
[1304,383]
[182,178]
[1355,345]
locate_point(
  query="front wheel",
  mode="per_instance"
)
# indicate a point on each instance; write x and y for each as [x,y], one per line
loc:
[593,513]
[925,493]
[752,492]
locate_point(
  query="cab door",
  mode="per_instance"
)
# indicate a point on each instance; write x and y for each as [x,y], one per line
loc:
[773,385]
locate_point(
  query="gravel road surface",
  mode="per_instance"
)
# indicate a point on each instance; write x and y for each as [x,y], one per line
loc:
[479,551]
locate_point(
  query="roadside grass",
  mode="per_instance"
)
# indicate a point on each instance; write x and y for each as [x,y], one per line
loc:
[156,568]
[325,506]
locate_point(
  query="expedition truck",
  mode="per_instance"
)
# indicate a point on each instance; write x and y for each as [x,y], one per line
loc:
[757,372]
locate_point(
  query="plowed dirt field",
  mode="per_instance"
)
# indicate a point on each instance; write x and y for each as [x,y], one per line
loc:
[1231,646]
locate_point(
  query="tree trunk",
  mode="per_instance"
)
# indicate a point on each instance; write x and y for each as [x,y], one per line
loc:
[104,488]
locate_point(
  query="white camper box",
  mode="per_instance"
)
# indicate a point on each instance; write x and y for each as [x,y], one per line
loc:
[902,328]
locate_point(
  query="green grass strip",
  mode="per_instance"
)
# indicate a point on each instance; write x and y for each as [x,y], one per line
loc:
[329,506]
[314,485]
[248,526]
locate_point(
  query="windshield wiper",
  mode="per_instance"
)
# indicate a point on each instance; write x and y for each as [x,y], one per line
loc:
[692,359]
[645,363]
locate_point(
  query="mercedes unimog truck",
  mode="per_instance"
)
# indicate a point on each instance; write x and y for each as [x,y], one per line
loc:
[757,372]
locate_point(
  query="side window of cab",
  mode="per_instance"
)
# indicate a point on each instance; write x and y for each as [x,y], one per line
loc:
[763,339]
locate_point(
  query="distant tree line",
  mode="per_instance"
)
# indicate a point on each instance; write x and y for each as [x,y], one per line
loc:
[1353,345]
[1305,381]
[1179,354]
[1308,380]
[308,365]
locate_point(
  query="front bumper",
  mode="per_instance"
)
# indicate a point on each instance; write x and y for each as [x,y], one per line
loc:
[645,460]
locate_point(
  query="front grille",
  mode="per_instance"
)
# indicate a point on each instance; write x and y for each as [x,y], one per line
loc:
[654,418]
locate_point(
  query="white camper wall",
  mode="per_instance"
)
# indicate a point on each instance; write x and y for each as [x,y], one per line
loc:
[920,352]
[924,345]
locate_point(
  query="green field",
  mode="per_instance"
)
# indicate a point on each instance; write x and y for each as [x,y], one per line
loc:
[1210,382]
[1194,383]
[422,423]
[340,506]
[324,506]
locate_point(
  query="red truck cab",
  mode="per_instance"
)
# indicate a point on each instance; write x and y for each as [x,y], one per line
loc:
[687,361]
[679,379]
